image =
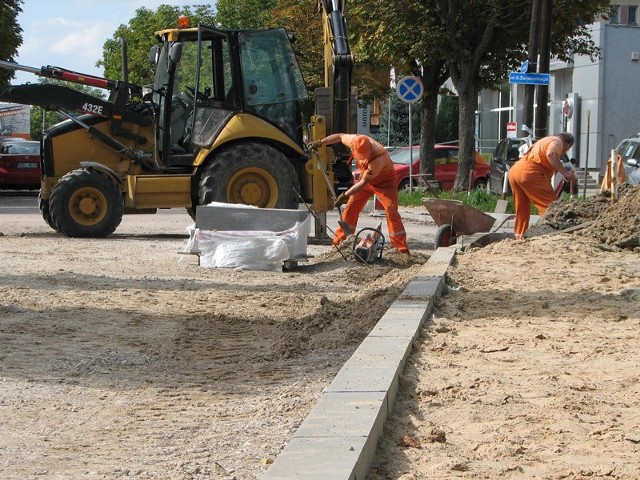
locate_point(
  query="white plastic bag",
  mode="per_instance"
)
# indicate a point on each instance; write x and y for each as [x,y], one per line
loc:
[249,250]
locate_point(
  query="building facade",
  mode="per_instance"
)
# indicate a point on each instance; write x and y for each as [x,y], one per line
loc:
[596,100]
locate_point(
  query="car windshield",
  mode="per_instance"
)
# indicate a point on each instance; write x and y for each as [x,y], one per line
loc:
[628,151]
[23,148]
[402,156]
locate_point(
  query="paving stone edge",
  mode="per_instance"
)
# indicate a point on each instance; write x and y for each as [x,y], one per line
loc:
[339,437]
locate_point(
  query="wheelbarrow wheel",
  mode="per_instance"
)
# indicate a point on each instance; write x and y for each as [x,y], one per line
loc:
[445,236]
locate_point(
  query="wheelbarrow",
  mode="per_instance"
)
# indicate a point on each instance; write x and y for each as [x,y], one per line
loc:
[454,218]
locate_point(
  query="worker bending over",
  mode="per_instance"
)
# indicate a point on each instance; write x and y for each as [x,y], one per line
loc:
[530,178]
[377,177]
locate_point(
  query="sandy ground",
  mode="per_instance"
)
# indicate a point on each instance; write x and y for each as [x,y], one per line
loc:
[120,358]
[529,366]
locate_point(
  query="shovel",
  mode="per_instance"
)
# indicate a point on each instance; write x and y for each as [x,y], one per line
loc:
[345,227]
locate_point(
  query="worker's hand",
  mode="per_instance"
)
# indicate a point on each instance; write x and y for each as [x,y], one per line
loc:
[569,175]
[316,144]
[341,200]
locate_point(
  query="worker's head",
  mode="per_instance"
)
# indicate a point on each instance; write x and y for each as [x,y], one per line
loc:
[568,139]
[361,147]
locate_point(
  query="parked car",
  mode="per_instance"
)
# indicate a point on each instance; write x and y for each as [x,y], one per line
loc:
[20,164]
[632,168]
[446,159]
[506,154]
[629,151]
[4,140]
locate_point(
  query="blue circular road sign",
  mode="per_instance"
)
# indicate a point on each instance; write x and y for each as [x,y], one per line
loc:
[410,89]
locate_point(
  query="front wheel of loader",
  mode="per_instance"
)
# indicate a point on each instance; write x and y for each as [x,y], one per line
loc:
[445,236]
[86,203]
[251,173]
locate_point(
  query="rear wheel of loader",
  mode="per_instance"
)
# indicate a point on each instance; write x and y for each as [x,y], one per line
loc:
[44,211]
[86,203]
[251,173]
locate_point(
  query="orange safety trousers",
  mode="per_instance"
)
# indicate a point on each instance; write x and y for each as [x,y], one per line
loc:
[387,193]
[530,183]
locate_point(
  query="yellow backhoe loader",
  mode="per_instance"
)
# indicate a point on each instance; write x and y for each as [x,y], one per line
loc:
[221,122]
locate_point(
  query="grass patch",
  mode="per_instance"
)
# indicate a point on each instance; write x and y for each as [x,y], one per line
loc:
[481,199]
[477,198]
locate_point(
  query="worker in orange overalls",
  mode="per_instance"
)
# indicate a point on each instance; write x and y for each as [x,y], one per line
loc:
[377,177]
[530,178]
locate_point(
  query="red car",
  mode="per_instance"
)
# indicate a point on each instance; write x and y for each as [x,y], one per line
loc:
[20,165]
[446,166]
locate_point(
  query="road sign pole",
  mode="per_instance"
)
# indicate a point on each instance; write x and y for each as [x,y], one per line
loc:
[410,153]
[410,90]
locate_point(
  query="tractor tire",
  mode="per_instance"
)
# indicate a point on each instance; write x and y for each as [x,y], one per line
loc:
[87,204]
[251,173]
[445,236]
[43,205]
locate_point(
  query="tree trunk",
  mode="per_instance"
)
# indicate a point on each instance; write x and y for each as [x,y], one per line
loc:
[542,94]
[432,75]
[428,135]
[534,46]
[468,93]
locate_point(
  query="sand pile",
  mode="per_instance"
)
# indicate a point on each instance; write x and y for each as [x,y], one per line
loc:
[619,225]
[616,225]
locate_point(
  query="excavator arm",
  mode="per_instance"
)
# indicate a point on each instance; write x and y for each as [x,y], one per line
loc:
[330,171]
[60,98]
[338,66]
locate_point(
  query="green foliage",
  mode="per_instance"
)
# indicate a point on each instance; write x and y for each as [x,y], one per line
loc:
[488,38]
[478,198]
[244,13]
[38,124]
[10,35]
[447,119]
[396,132]
[139,36]
[301,18]
[481,199]
[570,19]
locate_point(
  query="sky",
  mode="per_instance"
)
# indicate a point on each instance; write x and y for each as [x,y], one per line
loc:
[70,33]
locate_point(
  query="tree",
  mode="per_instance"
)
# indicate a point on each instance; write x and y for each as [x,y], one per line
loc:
[10,35]
[479,35]
[305,20]
[488,38]
[394,124]
[234,14]
[139,36]
[387,33]
[447,119]
[41,120]
[475,42]
[302,19]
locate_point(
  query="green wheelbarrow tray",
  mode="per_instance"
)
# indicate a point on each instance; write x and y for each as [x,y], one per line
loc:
[455,218]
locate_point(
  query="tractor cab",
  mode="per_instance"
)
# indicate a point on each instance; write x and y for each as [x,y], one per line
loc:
[204,77]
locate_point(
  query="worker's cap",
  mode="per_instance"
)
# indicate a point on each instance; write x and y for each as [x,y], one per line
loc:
[567,138]
[361,147]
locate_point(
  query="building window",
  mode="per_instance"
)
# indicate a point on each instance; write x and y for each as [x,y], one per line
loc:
[633,15]
[614,15]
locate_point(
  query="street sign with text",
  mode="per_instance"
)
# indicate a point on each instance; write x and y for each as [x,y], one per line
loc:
[530,78]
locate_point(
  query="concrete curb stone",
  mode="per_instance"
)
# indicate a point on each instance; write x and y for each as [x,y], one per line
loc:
[339,437]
